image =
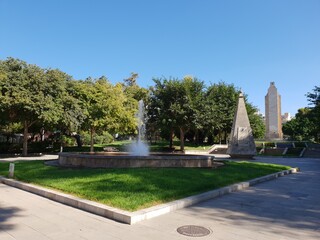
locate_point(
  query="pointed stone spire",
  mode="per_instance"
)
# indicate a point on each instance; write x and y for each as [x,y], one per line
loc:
[241,143]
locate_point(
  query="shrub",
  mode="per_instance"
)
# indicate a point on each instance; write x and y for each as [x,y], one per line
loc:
[269,144]
[300,144]
[38,147]
[68,141]
[103,138]
[10,147]
[294,151]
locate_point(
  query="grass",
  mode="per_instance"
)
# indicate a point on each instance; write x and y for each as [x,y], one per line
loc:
[160,145]
[133,189]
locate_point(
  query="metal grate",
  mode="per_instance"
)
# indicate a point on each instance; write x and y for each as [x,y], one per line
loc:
[194,231]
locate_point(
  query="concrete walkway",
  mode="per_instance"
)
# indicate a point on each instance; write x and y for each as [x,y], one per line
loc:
[31,158]
[285,208]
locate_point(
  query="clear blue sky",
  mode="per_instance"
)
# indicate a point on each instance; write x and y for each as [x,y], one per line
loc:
[249,43]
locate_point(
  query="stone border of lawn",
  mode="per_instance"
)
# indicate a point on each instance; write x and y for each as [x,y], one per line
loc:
[140,215]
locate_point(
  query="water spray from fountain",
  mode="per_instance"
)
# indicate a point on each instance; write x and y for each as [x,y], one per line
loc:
[139,148]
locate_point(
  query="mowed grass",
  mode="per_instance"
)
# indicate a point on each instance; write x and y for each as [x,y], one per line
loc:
[134,189]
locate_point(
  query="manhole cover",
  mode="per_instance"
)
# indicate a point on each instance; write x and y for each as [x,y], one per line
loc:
[193,231]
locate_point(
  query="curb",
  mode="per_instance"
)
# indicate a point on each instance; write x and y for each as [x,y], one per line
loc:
[140,215]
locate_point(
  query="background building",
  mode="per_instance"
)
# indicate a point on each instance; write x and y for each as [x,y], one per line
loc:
[273,114]
[286,117]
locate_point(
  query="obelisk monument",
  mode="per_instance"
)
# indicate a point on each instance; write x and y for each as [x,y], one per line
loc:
[241,144]
[273,114]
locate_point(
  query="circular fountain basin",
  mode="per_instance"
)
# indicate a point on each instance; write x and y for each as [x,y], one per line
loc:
[124,160]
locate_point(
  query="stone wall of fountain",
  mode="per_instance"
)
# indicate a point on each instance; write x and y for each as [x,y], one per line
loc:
[121,160]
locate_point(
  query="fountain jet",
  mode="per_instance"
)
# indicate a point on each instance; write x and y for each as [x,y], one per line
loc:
[139,148]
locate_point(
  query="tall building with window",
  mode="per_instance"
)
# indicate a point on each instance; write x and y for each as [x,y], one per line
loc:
[273,114]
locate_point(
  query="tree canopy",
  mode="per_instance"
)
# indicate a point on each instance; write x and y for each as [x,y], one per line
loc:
[104,106]
[30,94]
[305,125]
[49,98]
[187,108]
[36,98]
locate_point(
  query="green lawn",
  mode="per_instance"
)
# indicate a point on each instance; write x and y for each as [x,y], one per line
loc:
[160,146]
[133,189]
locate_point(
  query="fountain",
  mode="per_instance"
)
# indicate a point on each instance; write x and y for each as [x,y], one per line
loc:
[139,148]
[137,157]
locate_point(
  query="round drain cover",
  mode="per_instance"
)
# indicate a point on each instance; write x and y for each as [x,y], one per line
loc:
[193,231]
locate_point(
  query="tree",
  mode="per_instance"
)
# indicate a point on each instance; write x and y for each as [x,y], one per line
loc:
[105,107]
[300,127]
[256,121]
[29,94]
[175,105]
[132,80]
[195,95]
[221,101]
[305,125]
[159,113]
[187,106]
[73,113]
[314,97]
[133,91]
[290,129]
[314,116]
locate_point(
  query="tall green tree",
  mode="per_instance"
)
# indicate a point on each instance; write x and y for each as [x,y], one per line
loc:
[300,127]
[256,121]
[133,91]
[314,116]
[175,105]
[194,89]
[305,125]
[105,107]
[30,94]
[160,114]
[221,101]
[220,104]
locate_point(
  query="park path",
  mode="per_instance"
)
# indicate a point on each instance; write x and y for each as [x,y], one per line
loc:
[30,158]
[285,208]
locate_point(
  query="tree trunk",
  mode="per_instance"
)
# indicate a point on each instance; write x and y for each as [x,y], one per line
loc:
[210,138]
[225,137]
[181,139]
[78,140]
[25,139]
[42,132]
[171,139]
[197,137]
[91,139]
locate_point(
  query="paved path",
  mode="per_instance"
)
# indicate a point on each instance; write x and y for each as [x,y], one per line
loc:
[286,208]
[31,158]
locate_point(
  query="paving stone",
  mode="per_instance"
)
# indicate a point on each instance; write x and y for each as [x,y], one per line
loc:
[285,208]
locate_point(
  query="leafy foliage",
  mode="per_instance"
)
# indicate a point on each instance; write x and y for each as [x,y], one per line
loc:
[196,111]
[105,107]
[176,105]
[29,95]
[305,125]
[32,98]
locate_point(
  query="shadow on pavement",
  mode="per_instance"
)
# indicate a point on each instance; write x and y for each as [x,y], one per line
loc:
[5,214]
[289,202]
